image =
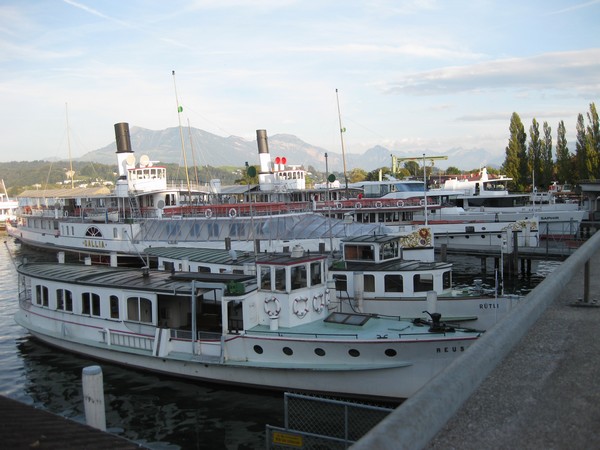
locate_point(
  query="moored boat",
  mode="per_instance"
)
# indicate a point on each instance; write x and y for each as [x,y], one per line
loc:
[272,330]
[376,274]
[145,210]
[8,208]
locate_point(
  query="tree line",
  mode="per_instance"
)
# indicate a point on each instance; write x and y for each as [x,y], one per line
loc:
[530,161]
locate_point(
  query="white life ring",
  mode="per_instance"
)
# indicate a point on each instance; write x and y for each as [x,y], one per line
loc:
[208,213]
[274,311]
[378,204]
[327,297]
[232,212]
[300,311]
[318,303]
[338,205]
[400,204]
[422,202]
[358,205]
[66,214]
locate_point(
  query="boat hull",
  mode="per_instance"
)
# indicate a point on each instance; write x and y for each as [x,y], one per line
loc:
[375,380]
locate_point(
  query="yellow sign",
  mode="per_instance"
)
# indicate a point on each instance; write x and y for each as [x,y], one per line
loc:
[292,440]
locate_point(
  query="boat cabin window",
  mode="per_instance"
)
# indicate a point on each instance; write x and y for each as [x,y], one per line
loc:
[316,273]
[298,277]
[64,300]
[423,282]
[359,253]
[213,229]
[237,229]
[114,307]
[447,280]
[139,309]
[393,283]
[280,279]
[90,304]
[265,278]
[389,250]
[170,200]
[41,295]
[369,283]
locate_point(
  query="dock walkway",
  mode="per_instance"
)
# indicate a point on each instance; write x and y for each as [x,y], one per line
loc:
[25,427]
[544,394]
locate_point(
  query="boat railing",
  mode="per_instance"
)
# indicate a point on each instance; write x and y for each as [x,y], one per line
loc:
[25,299]
[237,209]
[377,203]
[129,340]
[186,335]
[282,333]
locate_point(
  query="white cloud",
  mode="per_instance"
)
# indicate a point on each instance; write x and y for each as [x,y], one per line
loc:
[575,70]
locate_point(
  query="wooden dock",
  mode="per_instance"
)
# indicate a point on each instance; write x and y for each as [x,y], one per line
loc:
[26,427]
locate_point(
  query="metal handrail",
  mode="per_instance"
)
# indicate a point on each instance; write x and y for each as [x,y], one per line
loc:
[416,421]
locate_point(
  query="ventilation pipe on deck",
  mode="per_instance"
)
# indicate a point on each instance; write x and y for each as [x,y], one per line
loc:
[359,289]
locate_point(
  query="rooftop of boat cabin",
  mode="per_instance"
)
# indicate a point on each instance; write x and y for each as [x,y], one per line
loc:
[371,239]
[77,192]
[206,255]
[224,257]
[129,278]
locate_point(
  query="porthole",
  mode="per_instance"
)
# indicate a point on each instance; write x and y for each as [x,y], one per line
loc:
[483,236]
[258,349]
[354,353]
[319,352]
[467,237]
[288,351]
[499,236]
[390,352]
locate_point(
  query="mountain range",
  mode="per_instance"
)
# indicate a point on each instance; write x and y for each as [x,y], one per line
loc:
[204,148]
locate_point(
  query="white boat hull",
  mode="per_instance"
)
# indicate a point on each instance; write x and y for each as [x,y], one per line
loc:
[372,380]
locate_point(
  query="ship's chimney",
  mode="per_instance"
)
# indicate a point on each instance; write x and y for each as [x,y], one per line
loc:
[125,157]
[265,177]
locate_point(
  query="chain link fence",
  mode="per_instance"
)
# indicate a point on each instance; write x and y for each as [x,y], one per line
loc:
[321,423]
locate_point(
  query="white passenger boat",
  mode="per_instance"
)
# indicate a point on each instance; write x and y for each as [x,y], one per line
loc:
[146,210]
[272,330]
[387,275]
[8,208]
[486,199]
[470,201]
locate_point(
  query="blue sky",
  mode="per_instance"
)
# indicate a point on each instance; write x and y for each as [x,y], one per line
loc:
[413,76]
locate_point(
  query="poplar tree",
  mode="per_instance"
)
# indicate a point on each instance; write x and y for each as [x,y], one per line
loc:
[547,164]
[581,157]
[564,158]
[516,153]
[533,154]
[593,141]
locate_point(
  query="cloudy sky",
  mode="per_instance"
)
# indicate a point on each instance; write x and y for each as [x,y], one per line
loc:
[424,75]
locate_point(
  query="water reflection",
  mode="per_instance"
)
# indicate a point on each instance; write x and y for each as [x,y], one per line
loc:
[153,410]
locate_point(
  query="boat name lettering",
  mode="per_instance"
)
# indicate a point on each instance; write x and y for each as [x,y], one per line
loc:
[450,349]
[546,218]
[90,243]
[489,306]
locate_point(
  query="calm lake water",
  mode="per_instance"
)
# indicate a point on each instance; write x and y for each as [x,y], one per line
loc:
[156,411]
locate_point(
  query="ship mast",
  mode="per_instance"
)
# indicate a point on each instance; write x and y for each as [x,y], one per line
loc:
[179,111]
[70,174]
[342,130]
